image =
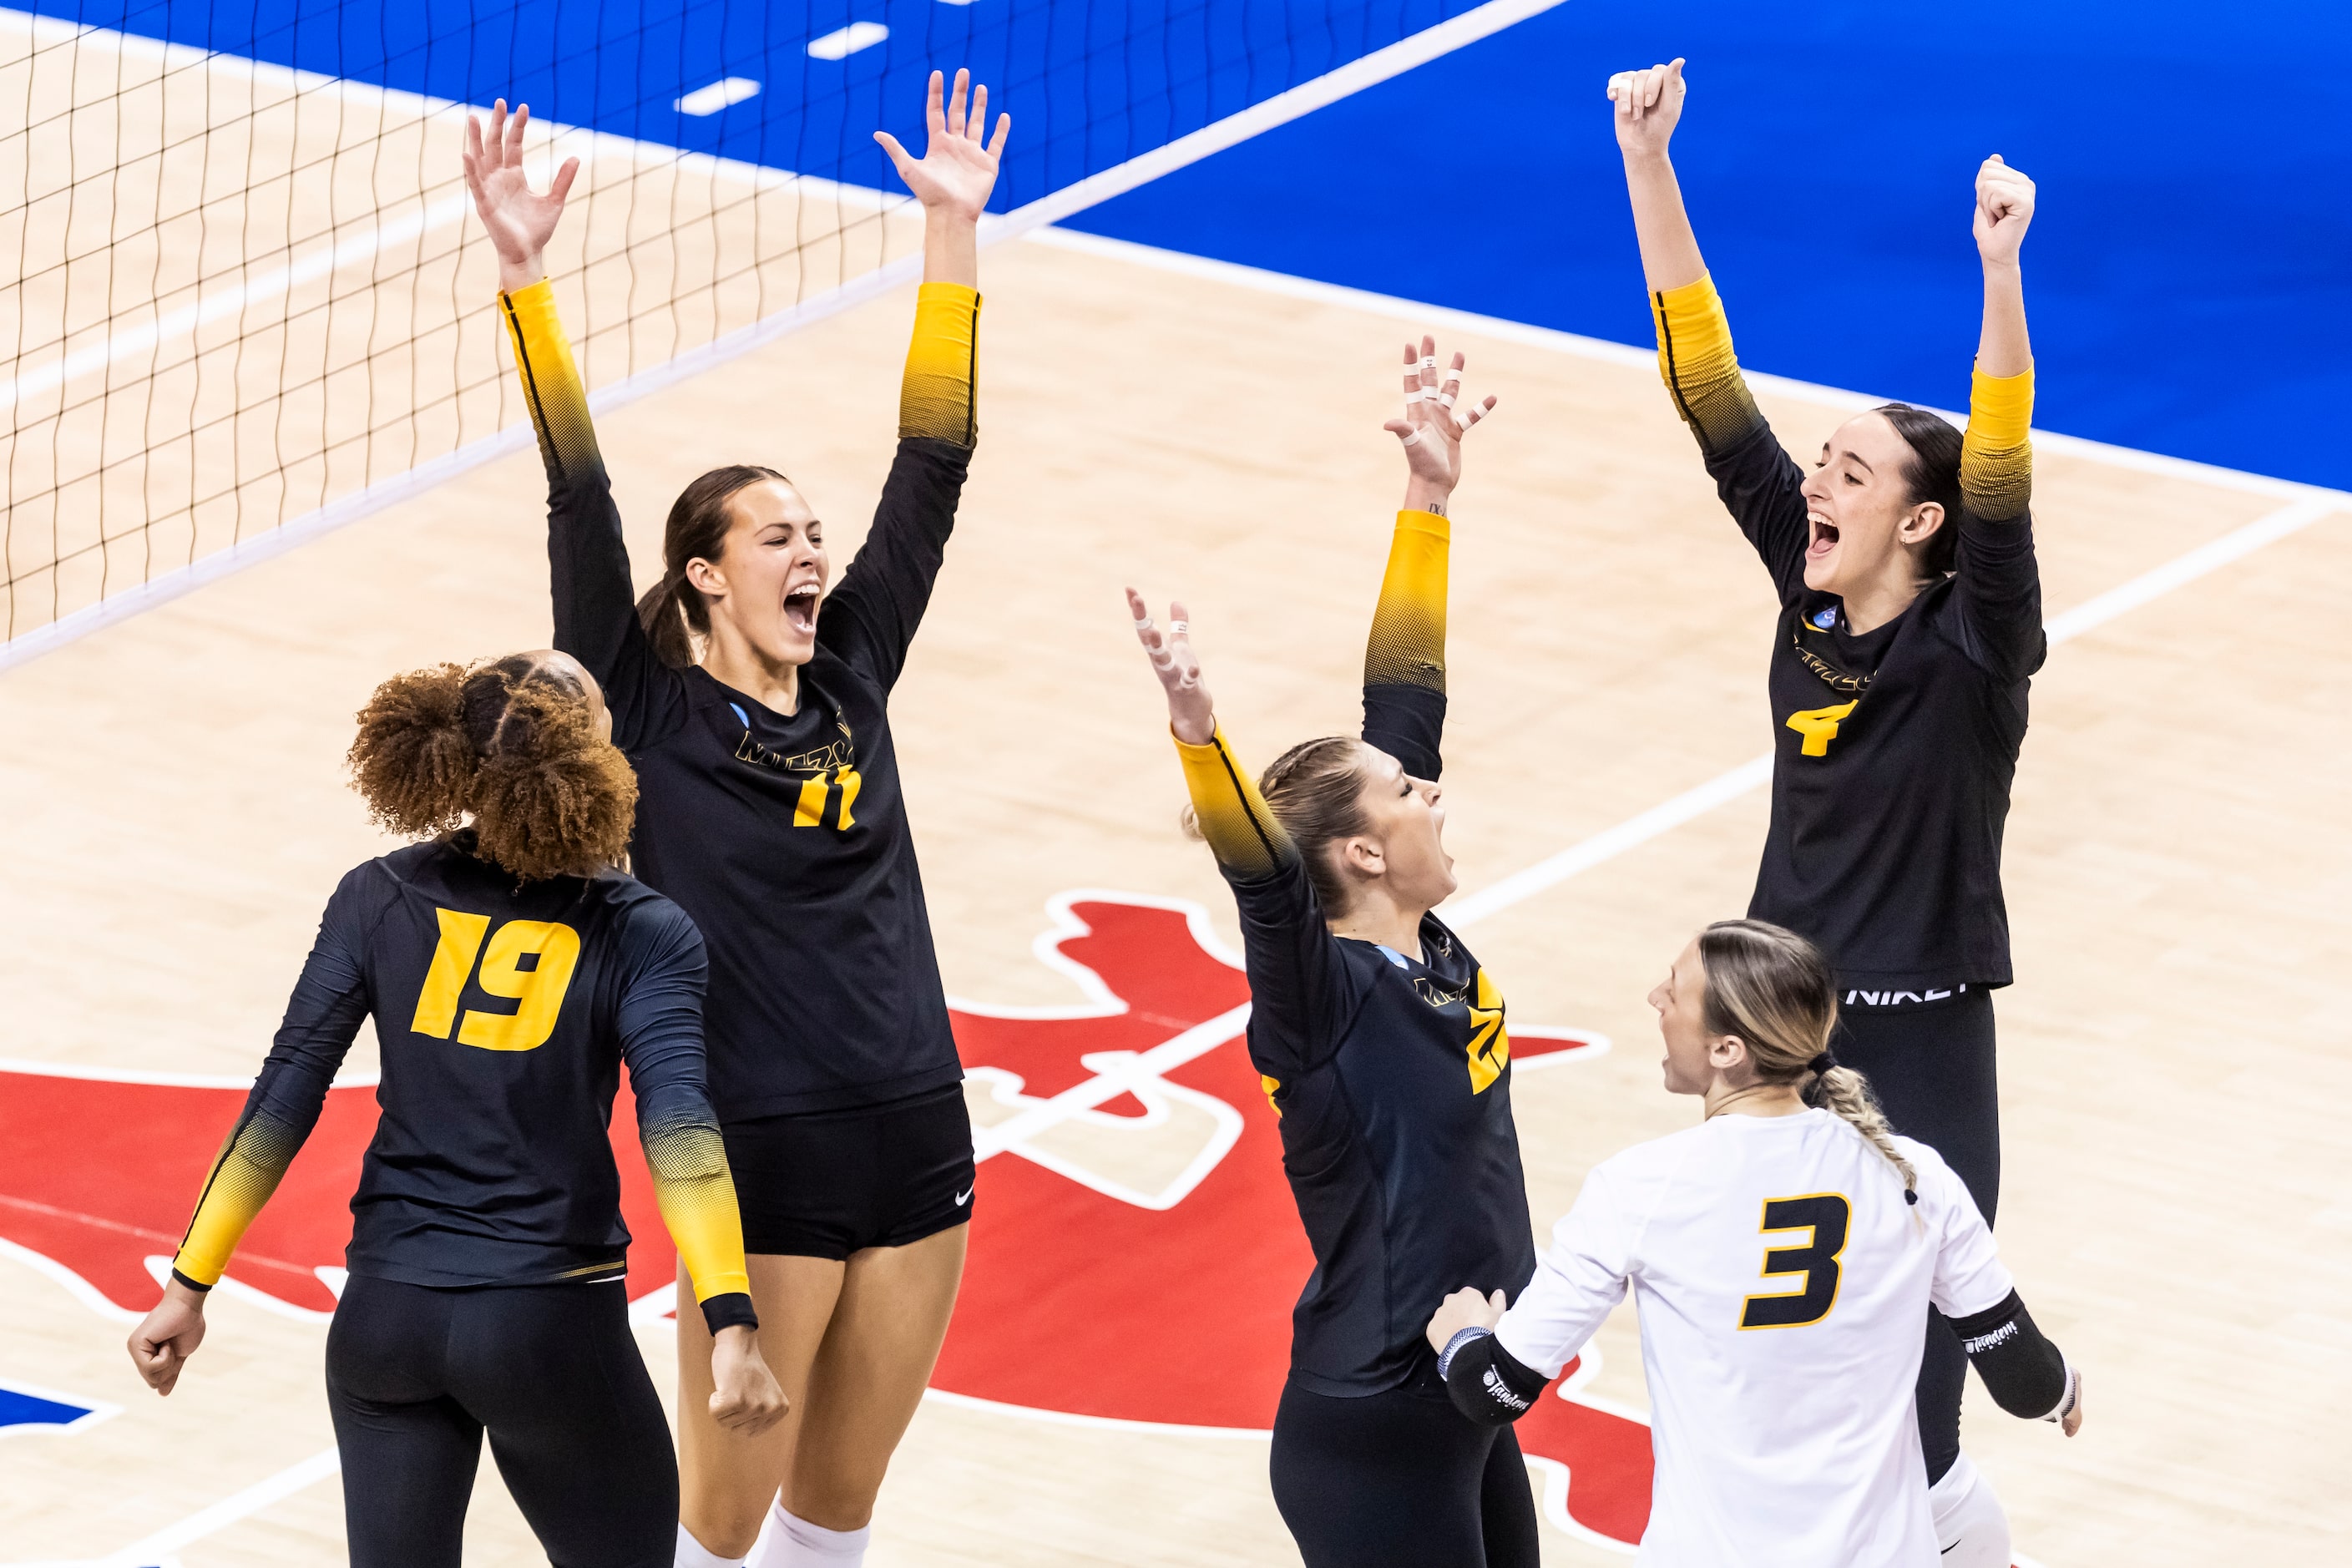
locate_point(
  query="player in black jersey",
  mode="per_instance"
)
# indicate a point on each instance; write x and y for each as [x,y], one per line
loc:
[755,707]
[511,971]
[1910,624]
[1383,1049]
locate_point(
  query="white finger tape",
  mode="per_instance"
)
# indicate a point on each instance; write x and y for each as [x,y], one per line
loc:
[1412,395]
[1179,629]
[1411,439]
[1429,361]
[1144,624]
[1447,399]
[1162,660]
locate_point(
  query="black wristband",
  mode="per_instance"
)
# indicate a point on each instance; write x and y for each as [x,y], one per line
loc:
[1487,1383]
[183,1280]
[731,1310]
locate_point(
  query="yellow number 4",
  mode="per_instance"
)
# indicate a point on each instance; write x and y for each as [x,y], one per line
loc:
[1818,726]
[538,991]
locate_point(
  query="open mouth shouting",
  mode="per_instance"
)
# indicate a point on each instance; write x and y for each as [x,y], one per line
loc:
[800,608]
[1824,539]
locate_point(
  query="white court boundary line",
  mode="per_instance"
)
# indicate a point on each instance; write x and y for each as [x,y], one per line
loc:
[1283,106]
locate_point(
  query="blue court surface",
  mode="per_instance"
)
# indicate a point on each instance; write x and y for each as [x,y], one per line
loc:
[2189,273]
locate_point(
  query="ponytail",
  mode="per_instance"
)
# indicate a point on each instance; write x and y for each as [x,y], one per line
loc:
[1773,989]
[511,744]
[1931,473]
[673,611]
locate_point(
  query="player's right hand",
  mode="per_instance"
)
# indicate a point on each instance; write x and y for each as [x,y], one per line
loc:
[745,1397]
[1190,712]
[166,1339]
[1466,1308]
[1649,106]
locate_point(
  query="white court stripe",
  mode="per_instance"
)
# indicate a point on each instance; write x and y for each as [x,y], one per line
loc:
[1635,831]
[225,1512]
[1602,350]
[220,303]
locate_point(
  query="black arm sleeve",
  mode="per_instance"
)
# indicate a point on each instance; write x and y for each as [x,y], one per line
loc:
[1997,596]
[661,1039]
[588,559]
[322,1018]
[1762,487]
[1490,1385]
[869,618]
[2024,1372]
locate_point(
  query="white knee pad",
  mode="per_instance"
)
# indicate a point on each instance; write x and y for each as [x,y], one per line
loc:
[692,1554]
[1970,1524]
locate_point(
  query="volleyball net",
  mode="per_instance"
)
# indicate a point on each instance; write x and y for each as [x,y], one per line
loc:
[251,300]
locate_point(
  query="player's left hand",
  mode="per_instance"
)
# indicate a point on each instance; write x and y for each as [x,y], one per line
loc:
[2004,209]
[1431,432]
[166,1339]
[1191,714]
[1466,1308]
[745,1397]
[2072,1422]
[956,171]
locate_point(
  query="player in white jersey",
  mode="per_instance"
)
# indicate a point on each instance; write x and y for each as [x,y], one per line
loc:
[1783,1255]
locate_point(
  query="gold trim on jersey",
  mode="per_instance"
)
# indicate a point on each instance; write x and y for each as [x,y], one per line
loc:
[1805,1261]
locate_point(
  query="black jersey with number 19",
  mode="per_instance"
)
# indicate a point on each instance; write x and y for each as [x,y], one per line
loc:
[1894,749]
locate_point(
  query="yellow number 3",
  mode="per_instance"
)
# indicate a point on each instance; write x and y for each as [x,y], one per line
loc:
[1818,726]
[538,991]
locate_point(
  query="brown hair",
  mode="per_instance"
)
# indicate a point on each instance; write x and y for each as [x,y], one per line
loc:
[1931,473]
[673,611]
[1773,989]
[1315,790]
[510,743]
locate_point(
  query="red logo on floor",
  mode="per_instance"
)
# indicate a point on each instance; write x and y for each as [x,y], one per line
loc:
[1132,1219]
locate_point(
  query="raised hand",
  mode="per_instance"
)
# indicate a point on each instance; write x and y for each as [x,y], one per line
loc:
[956,171]
[519,219]
[1649,106]
[1190,713]
[1431,434]
[2004,210]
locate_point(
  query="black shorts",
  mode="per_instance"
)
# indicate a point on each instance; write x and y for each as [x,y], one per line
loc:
[828,1183]
[416,1376]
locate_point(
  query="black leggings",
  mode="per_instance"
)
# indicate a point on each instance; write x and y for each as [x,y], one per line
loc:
[415,1375]
[1400,1480]
[1932,1068]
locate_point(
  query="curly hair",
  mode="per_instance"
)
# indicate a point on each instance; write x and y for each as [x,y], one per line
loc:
[512,744]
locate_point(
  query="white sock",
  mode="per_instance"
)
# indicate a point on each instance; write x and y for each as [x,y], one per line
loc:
[792,1542]
[1970,1524]
[692,1554]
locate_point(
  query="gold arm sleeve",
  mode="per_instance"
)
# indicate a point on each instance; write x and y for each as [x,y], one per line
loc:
[551,381]
[1694,356]
[1997,455]
[247,1171]
[1234,818]
[697,1194]
[937,400]
[1407,647]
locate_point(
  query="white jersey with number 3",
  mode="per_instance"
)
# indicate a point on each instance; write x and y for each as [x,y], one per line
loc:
[1783,1285]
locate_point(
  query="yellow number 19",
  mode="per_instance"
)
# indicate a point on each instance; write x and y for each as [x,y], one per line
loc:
[538,991]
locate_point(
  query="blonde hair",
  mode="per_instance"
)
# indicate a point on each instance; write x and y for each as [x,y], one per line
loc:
[1316,791]
[1773,989]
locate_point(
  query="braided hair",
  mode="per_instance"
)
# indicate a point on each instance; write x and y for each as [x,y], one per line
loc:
[1773,989]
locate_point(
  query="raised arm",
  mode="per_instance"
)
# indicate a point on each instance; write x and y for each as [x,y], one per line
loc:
[871,616]
[1300,996]
[596,604]
[2000,583]
[1761,486]
[1405,657]
[661,1040]
[321,1019]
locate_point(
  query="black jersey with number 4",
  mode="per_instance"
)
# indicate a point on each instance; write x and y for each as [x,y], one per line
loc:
[1391,1073]
[1894,749]
[785,836]
[503,1016]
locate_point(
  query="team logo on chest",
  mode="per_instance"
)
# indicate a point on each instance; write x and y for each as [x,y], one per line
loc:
[1489,1050]
[824,771]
